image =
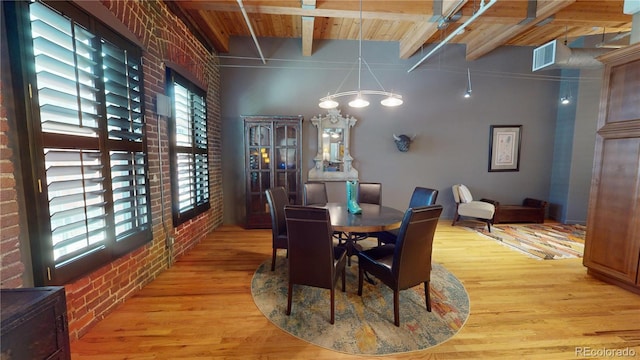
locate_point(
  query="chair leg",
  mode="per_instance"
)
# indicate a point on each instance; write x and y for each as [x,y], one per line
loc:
[344,280]
[427,295]
[360,278]
[396,307]
[273,260]
[489,225]
[333,305]
[289,298]
[456,218]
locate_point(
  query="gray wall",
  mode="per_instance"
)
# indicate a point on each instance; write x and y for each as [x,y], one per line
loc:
[452,132]
[576,126]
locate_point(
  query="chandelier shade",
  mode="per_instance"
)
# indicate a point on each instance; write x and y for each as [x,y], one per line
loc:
[390,100]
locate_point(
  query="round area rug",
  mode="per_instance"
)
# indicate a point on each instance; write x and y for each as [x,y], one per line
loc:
[363,325]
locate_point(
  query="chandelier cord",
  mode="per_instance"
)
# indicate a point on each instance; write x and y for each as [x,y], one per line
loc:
[373,75]
[360,49]
[391,100]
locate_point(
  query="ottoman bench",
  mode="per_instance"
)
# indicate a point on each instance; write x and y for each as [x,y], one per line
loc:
[531,210]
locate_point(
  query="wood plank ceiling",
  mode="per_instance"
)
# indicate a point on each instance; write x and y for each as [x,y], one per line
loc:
[411,23]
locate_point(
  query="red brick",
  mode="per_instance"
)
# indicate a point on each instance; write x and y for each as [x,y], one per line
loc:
[10,257]
[11,271]
[12,283]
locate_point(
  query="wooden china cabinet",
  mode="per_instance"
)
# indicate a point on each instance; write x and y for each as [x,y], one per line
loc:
[273,153]
[612,247]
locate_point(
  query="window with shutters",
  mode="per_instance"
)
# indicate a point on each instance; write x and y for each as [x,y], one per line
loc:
[90,152]
[188,149]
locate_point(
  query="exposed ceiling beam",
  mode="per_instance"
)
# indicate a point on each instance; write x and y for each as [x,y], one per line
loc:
[482,45]
[307,28]
[285,10]
[196,28]
[422,31]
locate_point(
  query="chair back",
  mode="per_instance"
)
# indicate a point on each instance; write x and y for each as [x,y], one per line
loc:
[412,257]
[277,198]
[310,246]
[461,194]
[370,193]
[423,197]
[314,193]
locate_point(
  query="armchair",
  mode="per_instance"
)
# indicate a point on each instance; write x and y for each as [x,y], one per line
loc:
[466,206]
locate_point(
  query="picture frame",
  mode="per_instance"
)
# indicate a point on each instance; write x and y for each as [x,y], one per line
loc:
[504,147]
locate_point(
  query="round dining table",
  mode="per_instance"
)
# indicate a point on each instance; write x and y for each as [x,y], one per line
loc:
[373,218]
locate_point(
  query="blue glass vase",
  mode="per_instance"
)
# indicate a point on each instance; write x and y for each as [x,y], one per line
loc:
[352,197]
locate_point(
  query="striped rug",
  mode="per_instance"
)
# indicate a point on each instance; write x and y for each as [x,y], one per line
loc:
[541,241]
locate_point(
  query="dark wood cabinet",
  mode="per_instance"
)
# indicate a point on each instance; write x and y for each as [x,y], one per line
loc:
[273,153]
[34,324]
[612,246]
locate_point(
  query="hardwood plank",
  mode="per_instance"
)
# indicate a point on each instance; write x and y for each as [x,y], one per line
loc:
[201,308]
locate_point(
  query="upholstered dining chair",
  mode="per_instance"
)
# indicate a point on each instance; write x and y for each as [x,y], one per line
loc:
[313,259]
[314,193]
[370,193]
[277,199]
[466,206]
[421,196]
[407,263]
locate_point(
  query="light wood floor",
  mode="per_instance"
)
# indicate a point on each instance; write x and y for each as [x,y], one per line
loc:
[521,308]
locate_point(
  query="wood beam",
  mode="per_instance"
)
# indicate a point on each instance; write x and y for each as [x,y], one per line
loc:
[500,35]
[423,30]
[307,28]
[196,27]
[284,10]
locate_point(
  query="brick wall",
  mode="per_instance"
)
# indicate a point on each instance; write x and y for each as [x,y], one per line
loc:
[11,264]
[164,39]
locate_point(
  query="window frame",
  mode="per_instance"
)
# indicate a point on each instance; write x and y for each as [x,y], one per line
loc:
[179,217]
[46,269]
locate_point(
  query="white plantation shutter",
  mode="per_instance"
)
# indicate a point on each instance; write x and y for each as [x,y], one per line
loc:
[122,82]
[128,181]
[90,102]
[190,166]
[76,202]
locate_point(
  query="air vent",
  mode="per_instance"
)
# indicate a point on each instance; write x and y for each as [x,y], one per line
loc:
[545,55]
[554,55]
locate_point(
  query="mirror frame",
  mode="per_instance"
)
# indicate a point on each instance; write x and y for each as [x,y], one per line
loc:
[333,120]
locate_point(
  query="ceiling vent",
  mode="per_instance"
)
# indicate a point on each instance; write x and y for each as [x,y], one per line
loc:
[555,55]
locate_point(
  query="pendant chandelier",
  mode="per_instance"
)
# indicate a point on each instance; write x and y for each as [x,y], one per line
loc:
[391,99]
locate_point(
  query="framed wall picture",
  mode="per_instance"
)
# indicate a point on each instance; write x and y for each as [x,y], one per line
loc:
[504,147]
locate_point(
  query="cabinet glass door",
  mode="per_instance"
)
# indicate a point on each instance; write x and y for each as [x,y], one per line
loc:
[259,165]
[287,159]
[272,158]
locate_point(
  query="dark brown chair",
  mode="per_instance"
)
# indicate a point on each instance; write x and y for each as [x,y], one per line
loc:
[277,199]
[370,193]
[421,197]
[408,262]
[314,193]
[313,260]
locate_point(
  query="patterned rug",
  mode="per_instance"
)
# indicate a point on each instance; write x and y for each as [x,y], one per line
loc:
[541,241]
[363,325]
